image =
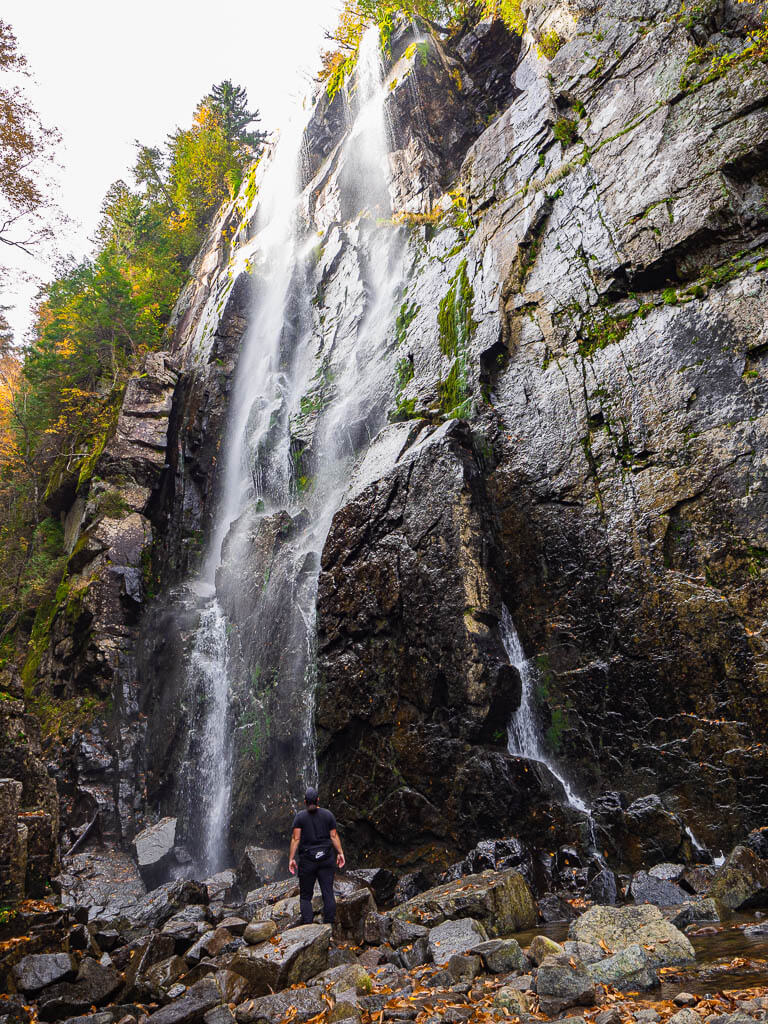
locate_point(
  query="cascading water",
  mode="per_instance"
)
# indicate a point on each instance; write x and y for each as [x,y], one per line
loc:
[209,668]
[523,733]
[273,470]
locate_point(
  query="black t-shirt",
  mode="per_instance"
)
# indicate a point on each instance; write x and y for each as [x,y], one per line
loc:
[316,827]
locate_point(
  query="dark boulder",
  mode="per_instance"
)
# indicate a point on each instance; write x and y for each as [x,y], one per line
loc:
[94,985]
[260,866]
[39,970]
[562,982]
[190,1007]
[154,850]
[645,888]
[742,881]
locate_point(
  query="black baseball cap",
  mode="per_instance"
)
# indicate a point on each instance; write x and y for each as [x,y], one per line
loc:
[311,796]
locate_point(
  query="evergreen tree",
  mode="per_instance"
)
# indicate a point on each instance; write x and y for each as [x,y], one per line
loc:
[230,103]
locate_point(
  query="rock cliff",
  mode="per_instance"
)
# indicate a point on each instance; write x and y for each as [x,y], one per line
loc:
[565,415]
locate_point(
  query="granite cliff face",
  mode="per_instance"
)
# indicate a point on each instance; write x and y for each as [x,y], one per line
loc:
[566,416]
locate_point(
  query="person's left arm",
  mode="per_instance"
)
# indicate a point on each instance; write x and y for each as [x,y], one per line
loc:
[340,861]
[295,840]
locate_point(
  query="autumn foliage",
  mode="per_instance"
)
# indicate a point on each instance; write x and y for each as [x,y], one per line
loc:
[60,394]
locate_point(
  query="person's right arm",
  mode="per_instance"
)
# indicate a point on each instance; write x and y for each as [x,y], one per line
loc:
[295,839]
[340,860]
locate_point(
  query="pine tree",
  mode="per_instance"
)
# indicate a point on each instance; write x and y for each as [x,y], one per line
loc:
[230,103]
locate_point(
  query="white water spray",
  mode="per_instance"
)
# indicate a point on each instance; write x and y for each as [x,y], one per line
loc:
[260,463]
[523,734]
[209,668]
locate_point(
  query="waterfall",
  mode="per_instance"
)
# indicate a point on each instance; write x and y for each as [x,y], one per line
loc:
[523,733]
[209,668]
[262,474]
[255,397]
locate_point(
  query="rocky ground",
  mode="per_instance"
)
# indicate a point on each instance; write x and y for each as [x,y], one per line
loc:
[471,949]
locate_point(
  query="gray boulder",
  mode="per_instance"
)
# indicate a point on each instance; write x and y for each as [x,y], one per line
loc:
[94,985]
[416,953]
[542,947]
[742,881]
[698,879]
[584,951]
[404,932]
[298,1005]
[513,999]
[153,848]
[465,967]
[343,978]
[685,1016]
[453,937]
[222,885]
[149,950]
[192,1006]
[619,927]
[38,970]
[563,982]
[351,913]
[380,881]
[648,888]
[501,900]
[299,954]
[164,902]
[630,968]
[157,980]
[701,909]
[500,956]
[260,866]
[377,928]
[553,907]
[259,931]
[219,1015]
[667,872]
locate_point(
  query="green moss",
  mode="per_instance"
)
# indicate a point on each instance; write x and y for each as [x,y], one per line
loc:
[456,325]
[549,44]
[405,317]
[564,130]
[404,373]
[405,409]
[453,391]
[669,297]
[601,327]
[88,465]
[420,50]
[113,505]
[558,725]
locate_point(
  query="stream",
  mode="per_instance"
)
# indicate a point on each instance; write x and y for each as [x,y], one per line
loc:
[725,959]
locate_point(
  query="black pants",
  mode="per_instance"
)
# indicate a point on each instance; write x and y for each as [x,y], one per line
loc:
[322,871]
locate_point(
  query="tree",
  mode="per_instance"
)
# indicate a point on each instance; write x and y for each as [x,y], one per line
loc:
[229,103]
[26,147]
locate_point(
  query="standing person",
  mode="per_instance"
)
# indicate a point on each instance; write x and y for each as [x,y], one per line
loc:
[315,837]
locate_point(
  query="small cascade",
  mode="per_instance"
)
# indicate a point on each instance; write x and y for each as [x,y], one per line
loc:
[523,732]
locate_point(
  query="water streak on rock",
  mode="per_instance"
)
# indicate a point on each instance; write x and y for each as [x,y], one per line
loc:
[523,731]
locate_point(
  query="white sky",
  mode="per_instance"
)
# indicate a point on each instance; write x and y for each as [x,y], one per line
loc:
[107,73]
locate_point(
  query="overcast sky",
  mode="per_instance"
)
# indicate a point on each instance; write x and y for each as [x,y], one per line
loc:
[108,73]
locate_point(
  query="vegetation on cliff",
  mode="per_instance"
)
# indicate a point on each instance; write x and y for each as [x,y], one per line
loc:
[447,15]
[60,393]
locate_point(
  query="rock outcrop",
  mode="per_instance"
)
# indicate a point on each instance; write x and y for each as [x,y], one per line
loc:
[554,358]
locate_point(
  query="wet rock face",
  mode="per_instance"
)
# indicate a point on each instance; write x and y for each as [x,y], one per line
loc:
[593,303]
[29,808]
[407,604]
